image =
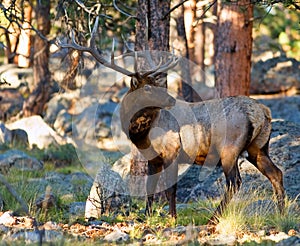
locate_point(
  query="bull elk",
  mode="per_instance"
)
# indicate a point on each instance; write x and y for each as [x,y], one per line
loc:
[221,129]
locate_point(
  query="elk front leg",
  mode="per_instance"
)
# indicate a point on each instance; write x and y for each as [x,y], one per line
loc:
[154,172]
[171,173]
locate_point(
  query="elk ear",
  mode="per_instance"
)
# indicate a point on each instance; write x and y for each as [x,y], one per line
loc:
[134,83]
[161,82]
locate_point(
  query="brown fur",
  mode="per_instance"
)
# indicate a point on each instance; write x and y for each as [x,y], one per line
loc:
[221,128]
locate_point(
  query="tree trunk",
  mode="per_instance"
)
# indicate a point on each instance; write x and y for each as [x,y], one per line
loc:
[200,42]
[156,12]
[233,48]
[24,46]
[69,80]
[189,19]
[185,89]
[12,38]
[41,74]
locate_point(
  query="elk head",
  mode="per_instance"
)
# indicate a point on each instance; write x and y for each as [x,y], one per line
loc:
[147,88]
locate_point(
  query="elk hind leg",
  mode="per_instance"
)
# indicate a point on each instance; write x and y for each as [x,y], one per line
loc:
[259,157]
[233,183]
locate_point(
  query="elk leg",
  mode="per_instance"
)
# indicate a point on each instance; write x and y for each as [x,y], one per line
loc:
[233,183]
[154,172]
[261,160]
[171,173]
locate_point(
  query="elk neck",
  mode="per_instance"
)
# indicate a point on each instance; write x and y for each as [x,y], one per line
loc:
[140,125]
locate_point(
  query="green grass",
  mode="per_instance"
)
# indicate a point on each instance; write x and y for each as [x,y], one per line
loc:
[240,216]
[235,219]
[29,184]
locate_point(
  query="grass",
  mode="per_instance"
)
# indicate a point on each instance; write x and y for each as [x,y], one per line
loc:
[29,184]
[256,211]
[251,211]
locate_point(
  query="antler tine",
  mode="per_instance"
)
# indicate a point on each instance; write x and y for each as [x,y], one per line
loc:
[171,63]
[112,56]
[92,49]
[153,69]
[135,62]
[147,49]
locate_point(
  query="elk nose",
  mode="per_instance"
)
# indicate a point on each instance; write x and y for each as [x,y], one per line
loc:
[147,88]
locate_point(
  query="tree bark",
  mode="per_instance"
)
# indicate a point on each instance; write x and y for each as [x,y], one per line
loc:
[185,89]
[200,41]
[69,80]
[233,48]
[41,74]
[156,12]
[189,19]
[12,39]
[24,45]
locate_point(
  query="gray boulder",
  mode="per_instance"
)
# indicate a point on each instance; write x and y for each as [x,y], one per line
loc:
[19,160]
[16,137]
[38,131]
[109,193]
[117,236]
[5,134]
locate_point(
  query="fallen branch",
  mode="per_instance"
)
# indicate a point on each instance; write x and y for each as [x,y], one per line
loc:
[14,194]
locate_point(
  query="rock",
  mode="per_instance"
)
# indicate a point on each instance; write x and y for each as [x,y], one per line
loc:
[51,236]
[33,236]
[16,137]
[117,236]
[275,75]
[295,241]
[76,211]
[19,138]
[57,103]
[19,160]
[108,193]
[222,240]
[39,133]
[5,135]
[284,108]
[122,166]
[7,218]
[50,225]
[277,237]
[151,239]
[63,123]
[11,103]
[68,185]
[15,75]
[46,201]
[93,125]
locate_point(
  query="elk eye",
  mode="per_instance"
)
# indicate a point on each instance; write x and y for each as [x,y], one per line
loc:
[147,88]
[134,83]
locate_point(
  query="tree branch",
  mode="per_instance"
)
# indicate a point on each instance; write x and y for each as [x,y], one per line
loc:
[173,8]
[14,194]
[204,12]
[122,11]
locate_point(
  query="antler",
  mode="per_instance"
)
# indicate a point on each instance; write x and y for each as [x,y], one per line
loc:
[92,49]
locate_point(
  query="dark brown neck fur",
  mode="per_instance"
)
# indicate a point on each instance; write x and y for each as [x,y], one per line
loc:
[140,126]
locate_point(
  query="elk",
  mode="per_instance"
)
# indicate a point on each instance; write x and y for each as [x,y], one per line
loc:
[213,131]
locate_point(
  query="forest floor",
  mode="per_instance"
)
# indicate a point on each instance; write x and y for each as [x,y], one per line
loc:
[239,226]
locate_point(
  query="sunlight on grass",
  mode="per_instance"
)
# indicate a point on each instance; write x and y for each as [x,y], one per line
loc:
[255,211]
[289,219]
